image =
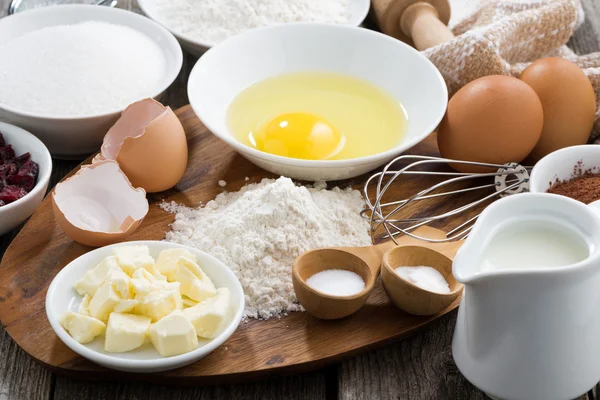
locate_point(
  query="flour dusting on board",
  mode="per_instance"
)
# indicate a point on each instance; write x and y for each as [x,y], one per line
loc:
[260,230]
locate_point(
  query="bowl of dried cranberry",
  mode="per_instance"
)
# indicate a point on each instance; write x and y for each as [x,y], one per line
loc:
[25,167]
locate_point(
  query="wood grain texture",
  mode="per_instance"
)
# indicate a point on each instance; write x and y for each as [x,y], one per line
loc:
[20,376]
[296,342]
[419,368]
[301,387]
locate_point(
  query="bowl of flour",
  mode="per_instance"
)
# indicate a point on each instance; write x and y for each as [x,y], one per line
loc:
[67,72]
[199,25]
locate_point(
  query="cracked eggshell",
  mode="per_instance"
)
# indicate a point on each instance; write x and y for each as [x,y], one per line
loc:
[149,143]
[98,206]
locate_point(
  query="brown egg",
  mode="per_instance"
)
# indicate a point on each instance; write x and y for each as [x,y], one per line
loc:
[149,143]
[98,206]
[495,119]
[568,101]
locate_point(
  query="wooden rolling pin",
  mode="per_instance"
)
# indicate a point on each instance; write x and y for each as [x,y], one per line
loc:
[421,23]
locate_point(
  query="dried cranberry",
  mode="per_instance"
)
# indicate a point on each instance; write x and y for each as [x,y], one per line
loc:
[26,177]
[7,153]
[7,171]
[12,193]
[2,142]
[23,158]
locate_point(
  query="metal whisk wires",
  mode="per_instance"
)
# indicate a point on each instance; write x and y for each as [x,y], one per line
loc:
[508,179]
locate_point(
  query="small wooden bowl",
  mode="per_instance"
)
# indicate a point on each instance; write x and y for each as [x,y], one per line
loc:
[322,305]
[409,297]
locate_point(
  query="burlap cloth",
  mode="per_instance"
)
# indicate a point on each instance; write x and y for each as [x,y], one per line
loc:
[502,37]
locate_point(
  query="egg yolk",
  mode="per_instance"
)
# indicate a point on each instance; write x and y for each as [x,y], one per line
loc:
[298,135]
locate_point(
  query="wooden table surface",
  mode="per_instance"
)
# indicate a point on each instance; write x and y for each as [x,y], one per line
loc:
[420,367]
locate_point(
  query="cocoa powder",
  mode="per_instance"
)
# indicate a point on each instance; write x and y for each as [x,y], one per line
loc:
[585,188]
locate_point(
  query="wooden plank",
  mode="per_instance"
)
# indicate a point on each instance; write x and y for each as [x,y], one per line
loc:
[422,367]
[20,376]
[176,97]
[301,387]
[294,343]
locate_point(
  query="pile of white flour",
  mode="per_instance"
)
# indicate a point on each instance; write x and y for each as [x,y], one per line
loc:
[212,21]
[260,230]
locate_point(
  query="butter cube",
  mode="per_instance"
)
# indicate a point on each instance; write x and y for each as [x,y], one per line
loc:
[126,305]
[84,306]
[143,274]
[209,316]
[104,301]
[173,335]
[125,332]
[144,283]
[167,261]
[141,287]
[82,328]
[194,282]
[151,268]
[187,302]
[132,258]
[159,304]
[121,283]
[94,278]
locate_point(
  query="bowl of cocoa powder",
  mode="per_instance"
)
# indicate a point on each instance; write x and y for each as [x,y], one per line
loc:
[572,172]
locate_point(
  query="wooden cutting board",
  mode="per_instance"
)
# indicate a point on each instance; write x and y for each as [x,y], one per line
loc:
[294,343]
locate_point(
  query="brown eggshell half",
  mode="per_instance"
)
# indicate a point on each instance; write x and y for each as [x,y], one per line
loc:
[495,119]
[149,143]
[98,206]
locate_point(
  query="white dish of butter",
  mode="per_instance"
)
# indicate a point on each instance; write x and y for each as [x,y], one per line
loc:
[144,306]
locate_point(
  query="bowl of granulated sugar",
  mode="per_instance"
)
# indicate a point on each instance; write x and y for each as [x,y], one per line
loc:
[199,25]
[67,72]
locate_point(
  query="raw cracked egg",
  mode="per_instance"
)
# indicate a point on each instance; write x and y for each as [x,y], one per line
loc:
[149,143]
[317,116]
[98,206]
[298,135]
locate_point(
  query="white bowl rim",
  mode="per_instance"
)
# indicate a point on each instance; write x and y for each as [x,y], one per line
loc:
[42,179]
[161,363]
[170,76]
[366,6]
[388,154]
[544,164]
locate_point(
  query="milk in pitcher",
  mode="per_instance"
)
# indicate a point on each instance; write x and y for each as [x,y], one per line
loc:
[534,244]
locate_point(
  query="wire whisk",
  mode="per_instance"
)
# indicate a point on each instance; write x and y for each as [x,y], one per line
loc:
[460,200]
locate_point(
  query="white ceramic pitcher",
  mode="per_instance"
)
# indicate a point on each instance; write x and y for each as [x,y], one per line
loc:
[530,333]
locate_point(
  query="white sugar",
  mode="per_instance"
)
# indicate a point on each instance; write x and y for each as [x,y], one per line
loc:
[212,21]
[77,70]
[336,282]
[427,278]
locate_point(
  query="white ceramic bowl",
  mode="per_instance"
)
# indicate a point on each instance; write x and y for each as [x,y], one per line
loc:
[72,137]
[358,12]
[12,214]
[560,165]
[62,297]
[225,70]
